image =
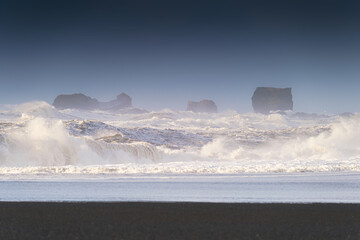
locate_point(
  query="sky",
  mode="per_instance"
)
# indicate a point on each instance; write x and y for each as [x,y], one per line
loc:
[164,53]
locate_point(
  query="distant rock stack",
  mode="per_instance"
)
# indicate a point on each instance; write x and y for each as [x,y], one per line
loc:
[124,100]
[207,106]
[77,101]
[266,99]
[81,101]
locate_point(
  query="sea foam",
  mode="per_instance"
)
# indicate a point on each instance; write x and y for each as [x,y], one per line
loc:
[35,138]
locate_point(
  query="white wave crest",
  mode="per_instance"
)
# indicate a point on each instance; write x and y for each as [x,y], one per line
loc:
[47,140]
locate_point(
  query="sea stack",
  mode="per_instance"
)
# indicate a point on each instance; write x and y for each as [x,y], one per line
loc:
[81,101]
[122,101]
[76,101]
[266,99]
[206,106]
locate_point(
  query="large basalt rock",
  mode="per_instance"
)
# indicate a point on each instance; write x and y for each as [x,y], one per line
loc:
[122,101]
[81,101]
[266,99]
[207,106]
[77,101]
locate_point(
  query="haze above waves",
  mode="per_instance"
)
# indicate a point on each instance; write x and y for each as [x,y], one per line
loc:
[35,138]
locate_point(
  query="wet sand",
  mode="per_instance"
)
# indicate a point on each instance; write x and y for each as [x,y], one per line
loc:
[154,220]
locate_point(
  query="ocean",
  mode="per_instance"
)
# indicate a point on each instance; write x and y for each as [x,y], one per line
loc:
[74,155]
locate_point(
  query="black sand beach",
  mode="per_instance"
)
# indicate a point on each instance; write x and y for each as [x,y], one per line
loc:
[145,220]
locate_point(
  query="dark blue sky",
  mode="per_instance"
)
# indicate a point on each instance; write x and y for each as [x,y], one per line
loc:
[164,53]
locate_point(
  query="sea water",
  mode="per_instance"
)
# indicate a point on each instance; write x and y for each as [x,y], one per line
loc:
[73,155]
[262,188]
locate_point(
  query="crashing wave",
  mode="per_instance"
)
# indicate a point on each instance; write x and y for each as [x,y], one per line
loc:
[41,137]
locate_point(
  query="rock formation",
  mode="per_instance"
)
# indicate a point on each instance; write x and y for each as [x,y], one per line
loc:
[81,101]
[266,99]
[207,106]
[77,101]
[122,101]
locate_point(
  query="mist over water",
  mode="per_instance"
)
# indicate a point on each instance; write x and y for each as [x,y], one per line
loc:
[164,54]
[35,138]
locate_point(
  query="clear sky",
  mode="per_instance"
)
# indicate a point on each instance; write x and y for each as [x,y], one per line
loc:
[164,53]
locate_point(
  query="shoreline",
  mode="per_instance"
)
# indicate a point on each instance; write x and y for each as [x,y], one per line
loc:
[178,220]
[309,188]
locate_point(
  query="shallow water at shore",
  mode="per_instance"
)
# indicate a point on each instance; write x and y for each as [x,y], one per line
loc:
[256,188]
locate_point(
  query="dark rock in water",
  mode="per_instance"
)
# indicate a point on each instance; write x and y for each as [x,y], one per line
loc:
[77,101]
[266,99]
[207,106]
[122,101]
[81,101]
